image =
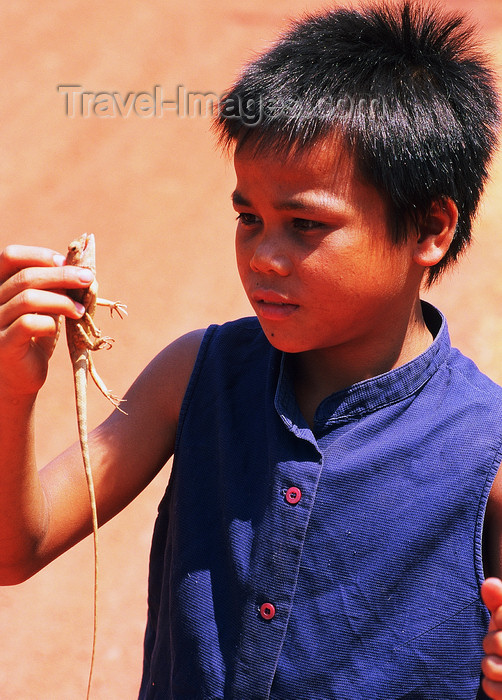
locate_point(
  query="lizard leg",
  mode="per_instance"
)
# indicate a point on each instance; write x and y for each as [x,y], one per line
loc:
[92,328]
[101,385]
[93,341]
[117,306]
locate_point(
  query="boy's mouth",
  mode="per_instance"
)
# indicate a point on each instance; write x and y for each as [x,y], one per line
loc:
[272,306]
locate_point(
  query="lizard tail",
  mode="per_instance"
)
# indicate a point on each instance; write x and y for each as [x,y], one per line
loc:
[80,391]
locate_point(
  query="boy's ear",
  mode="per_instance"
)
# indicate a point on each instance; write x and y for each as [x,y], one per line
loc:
[436,232]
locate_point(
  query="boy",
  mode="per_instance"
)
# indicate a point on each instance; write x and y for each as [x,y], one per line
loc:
[321,533]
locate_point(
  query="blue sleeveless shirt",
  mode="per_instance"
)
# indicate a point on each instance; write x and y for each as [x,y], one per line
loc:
[339,563]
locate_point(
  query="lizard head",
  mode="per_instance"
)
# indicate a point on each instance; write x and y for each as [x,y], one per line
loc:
[82,252]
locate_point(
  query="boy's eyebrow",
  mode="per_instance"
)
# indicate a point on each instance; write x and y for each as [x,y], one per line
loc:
[238,199]
[328,203]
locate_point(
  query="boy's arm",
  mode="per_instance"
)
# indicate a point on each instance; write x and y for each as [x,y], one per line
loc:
[126,451]
[43,514]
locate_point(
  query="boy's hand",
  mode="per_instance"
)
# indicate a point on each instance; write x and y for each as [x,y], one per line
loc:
[31,303]
[491,592]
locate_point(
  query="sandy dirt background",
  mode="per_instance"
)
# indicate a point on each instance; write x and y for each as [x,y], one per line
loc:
[156,194]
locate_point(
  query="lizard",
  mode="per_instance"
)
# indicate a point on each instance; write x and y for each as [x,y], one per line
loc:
[83,337]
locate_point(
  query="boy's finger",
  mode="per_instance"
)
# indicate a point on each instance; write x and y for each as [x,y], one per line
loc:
[491,666]
[38,302]
[491,593]
[40,278]
[492,689]
[492,644]
[15,257]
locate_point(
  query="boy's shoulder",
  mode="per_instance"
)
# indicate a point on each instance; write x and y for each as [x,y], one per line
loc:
[242,333]
[468,372]
[234,348]
[457,373]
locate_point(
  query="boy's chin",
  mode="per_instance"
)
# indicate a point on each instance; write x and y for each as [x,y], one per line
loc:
[283,342]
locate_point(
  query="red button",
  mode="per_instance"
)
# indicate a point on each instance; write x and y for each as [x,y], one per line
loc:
[267,611]
[293,495]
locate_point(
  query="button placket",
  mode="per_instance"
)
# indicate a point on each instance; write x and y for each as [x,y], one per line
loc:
[276,561]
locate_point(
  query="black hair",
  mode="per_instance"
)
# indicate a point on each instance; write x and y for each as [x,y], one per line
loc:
[406,88]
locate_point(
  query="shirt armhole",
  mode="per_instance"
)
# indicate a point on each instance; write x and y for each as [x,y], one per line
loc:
[201,355]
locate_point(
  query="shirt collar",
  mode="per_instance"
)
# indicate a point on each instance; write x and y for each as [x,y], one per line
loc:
[371,394]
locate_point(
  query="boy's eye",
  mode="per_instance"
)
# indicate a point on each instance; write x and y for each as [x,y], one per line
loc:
[307,224]
[247,219]
[298,224]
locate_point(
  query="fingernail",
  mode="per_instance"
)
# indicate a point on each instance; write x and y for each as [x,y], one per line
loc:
[85,275]
[79,308]
[59,260]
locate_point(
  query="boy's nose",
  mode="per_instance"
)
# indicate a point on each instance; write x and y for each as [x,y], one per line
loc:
[270,256]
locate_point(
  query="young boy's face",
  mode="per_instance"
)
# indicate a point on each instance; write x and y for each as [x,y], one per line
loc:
[314,252]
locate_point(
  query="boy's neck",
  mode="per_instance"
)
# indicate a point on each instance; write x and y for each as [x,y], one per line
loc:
[319,373]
